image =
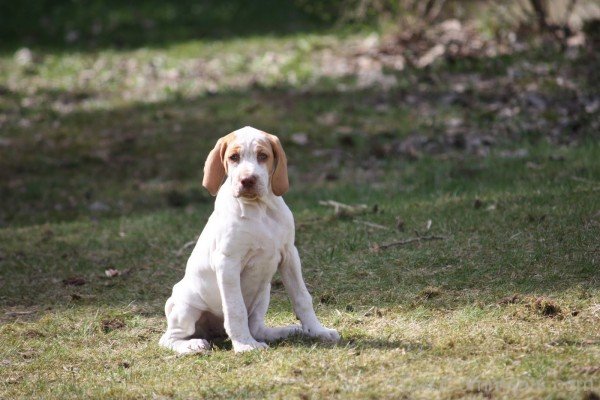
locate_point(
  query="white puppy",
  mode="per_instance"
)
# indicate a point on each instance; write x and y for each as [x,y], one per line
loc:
[248,237]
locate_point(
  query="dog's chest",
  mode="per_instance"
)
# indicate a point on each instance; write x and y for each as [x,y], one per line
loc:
[266,237]
[259,266]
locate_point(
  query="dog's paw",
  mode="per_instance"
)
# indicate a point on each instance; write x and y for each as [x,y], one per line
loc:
[323,334]
[191,346]
[240,347]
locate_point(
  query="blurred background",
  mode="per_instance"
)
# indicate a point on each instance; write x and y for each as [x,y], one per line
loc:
[109,107]
[462,138]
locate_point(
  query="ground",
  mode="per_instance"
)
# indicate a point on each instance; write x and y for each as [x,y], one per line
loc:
[101,155]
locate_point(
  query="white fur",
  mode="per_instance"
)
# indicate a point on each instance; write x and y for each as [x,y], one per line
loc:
[228,276]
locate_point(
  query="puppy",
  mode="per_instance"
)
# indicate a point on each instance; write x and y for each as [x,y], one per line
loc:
[248,237]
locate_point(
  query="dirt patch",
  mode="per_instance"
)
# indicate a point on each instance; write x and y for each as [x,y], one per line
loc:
[590,396]
[545,306]
[515,298]
[109,325]
[74,281]
[430,292]
[33,334]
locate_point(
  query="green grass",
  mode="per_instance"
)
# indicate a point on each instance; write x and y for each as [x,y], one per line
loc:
[101,154]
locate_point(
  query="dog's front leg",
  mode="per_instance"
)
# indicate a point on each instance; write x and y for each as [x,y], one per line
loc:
[291,275]
[234,309]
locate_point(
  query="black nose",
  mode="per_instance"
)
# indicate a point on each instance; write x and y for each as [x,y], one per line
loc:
[248,183]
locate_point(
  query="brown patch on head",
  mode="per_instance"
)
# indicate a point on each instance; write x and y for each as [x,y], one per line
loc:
[279,180]
[215,166]
[232,148]
[264,147]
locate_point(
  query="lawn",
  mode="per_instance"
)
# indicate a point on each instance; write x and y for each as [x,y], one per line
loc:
[101,156]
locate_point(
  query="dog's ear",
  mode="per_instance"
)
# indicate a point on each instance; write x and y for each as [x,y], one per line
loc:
[279,180]
[214,167]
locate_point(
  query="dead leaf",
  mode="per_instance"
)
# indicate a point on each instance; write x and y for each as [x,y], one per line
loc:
[509,299]
[430,292]
[400,224]
[111,273]
[75,297]
[74,281]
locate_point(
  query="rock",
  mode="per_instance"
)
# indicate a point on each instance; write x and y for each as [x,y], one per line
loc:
[300,138]
[24,57]
[432,54]
[98,206]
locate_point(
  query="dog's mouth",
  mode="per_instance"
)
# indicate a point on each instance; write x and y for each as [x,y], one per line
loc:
[248,194]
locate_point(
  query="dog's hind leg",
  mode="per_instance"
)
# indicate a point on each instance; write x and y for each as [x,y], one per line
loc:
[181,320]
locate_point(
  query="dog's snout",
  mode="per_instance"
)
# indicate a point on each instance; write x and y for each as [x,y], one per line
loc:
[248,182]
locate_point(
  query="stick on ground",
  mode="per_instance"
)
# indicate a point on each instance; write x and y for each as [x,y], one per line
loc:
[345,210]
[408,241]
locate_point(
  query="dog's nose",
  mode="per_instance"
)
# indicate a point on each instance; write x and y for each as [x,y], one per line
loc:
[248,182]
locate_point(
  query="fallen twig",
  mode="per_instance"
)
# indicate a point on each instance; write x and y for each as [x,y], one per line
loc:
[407,241]
[18,313]
[580,179]
[371,224]
[345,210]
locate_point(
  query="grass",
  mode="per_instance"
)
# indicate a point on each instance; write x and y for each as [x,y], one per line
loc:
[101,155]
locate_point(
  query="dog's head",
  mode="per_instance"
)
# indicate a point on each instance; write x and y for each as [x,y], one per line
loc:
[253,160]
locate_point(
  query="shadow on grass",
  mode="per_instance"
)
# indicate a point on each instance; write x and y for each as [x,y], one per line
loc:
[61,25]
[352,342]
[146,157]
[151,156]
[144,163]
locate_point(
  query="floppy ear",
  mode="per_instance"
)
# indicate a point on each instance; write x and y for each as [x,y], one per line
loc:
[279,180]
[214,170]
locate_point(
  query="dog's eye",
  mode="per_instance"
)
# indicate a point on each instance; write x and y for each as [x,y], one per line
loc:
[234,157]
[262,157]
